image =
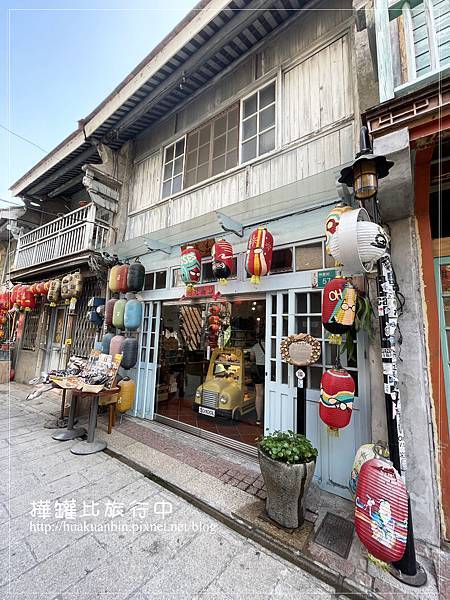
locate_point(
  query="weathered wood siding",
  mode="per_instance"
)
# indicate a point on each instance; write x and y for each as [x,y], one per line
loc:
[146,185]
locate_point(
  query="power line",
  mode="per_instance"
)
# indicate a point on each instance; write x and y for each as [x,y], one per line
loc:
[23,138]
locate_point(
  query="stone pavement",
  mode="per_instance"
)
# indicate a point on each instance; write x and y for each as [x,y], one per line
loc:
[90,527]
[229,483]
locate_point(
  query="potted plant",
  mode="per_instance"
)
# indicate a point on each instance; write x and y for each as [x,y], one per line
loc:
[287,462]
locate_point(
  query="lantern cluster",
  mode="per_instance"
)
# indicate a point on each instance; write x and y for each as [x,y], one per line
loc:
[337,393]
[125,278]
[222,260]
[259,254]
[300,350]
[71,286]
[381,510]
[218,321]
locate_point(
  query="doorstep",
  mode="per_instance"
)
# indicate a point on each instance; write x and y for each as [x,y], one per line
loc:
[229,484]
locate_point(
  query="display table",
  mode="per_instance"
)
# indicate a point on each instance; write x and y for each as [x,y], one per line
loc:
[70,433]
[90,445]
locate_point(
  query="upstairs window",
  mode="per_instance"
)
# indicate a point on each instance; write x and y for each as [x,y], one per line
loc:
[213,147]
[173,168]
[258,123]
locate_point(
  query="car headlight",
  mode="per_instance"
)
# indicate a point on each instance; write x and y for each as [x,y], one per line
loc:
[224,398]
[198,394]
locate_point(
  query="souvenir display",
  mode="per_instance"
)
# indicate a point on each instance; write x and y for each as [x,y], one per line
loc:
[338,307]
[54,292]
[190,265]
[332,222]
[365,453]
[381,510]
[135,276]
[118,314]
[259,254]
[129,351]
[358,242]
[132,316]
[222,261]
[337,392]
[109,311]
[113,281]
[300,350]
[126,395]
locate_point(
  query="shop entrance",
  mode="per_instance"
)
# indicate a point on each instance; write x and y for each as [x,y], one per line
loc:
[213,387]
[57,320]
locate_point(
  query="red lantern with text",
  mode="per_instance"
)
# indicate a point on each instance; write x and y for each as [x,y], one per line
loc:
[28,301]
[214,319]
[190,265]
[214,309]
[222,260]
[337,392]
[381,510]
[338,307]
[15,295]
[33,289]
[39,288]
[259,254]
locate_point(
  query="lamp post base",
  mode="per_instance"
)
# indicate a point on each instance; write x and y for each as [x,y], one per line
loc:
[417,580]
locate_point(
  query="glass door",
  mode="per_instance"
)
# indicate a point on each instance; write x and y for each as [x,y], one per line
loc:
[148,361]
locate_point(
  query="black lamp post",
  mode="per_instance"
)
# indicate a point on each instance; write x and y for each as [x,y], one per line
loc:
[363,176]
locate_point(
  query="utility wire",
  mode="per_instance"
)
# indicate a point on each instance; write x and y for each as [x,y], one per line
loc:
[23,138]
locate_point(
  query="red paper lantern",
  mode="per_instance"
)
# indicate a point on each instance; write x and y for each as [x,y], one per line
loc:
[259,253]
[190,265]
[381,511]
[214,328]
[33,288]
[15,295]
[222,260]
[28,300]
[214,319]
[338,305]
[45,288]
[39,288]
[337,392]
[214,309]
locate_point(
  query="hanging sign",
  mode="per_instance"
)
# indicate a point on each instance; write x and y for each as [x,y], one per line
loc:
[319,279]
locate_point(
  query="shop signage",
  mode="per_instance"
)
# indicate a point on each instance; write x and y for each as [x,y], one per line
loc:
[202,291]
[319,279]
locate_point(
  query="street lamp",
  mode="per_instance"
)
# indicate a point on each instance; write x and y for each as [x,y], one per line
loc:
[363,176]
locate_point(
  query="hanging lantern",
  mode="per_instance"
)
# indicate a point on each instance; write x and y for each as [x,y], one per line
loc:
[113,278]
[135,276]
[365,452]
[39,288]
[65,288]
[332,222]
[132,315]
[76,284]
[33,289]
[115,345]
[45,288]
[28,301]
[54,292]
[338,307]
[222,260]
[15,295]
[214,328]
[300,350]
[118,314]
[214,309]
[106,341]
[190,267]
[214,319]
[259,254]
[129,351]
[122,278]
[337,392]
[381,510]
[109,311]
[358,242]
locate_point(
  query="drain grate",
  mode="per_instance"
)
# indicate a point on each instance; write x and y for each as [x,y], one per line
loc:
[335,533]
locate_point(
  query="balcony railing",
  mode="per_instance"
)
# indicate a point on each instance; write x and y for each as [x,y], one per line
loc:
[75,232]
[413,43]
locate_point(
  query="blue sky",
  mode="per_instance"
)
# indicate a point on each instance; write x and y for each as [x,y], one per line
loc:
[57,64]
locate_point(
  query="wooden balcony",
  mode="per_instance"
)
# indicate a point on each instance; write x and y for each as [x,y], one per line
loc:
[75,233]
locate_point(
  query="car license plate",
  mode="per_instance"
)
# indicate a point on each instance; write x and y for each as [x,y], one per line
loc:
[210,412]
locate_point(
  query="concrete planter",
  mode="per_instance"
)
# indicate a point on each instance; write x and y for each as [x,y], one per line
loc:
[286,487]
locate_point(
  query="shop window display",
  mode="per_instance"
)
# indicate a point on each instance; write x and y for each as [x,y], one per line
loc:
[211,366]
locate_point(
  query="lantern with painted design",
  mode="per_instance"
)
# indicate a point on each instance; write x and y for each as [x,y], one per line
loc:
[365,452]
[28,301]
[381,510]
[338,307]
[222,260]
[15,295]
[190,265]
[332,222]
[337,392]
[259,254]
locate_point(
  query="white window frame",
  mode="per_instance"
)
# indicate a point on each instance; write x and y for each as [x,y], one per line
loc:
[276,104]
[154,272]
[163,181]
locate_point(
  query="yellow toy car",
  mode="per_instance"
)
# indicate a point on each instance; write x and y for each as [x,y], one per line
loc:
[225,391]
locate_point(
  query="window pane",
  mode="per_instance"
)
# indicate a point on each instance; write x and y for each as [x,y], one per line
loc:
[169,153]
[273,348]
[207,273]
[178,166]
[249,128]
[273,370]
[166,190]
[192,141]
[219,146]
[218,165]
[301,324]
[267,141]
[233,118]
[249,150]
[149,281]
[176,184]
[176,278]
[232,139]
[220,125]
[160,280]
[179,148]
[191,160]
[315,326]
[308,257]
[315,375]
[267,118]
[274,304]
[232,159]
[267,95]
[203,154]
[285,304]
[284,328]
[249,106]
[168,171]
[300,303]
[203,172]
[191,178]
[284,373]
[281,261]
[205,134]
[315,301]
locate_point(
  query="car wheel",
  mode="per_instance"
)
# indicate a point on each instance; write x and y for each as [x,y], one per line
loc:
[237,415]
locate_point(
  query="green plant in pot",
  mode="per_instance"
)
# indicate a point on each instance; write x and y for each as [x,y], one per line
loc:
[287,462]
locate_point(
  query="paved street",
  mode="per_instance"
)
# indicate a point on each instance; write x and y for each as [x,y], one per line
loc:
[85,527]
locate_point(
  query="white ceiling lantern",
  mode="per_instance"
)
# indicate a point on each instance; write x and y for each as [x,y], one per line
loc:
[358,242]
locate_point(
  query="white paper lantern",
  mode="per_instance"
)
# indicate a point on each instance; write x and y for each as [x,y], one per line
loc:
[358,242]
